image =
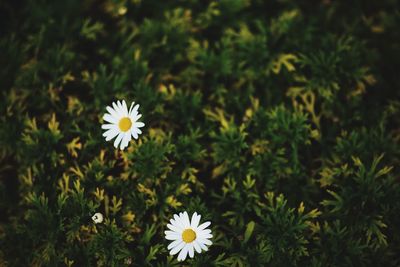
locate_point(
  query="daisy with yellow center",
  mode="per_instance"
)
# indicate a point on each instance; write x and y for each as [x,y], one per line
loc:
[123,123]
[187,236]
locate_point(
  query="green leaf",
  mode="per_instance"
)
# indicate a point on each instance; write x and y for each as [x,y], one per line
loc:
[249,231]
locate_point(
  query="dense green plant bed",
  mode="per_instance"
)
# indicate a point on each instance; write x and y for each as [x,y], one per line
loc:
[276,121]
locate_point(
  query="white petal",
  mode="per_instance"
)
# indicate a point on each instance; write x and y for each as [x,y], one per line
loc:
[138,131]
[204,236]
[116,107]
[130,108]
[139,124]
[107,126]
[125,140]
[118,140]
[118,110]
[134,133]
[179,221]
[174,244]
[191,250]
[186,220]
[135,116]
[107,117]
[110,134]
[195,220]
[176,223]
[125,108]
[182,255]
[168,232]
[135,109]
[203,247]
[173,237]
[196,246]
[174,228]
[121,110]
[204,241]
[177,248]
[203,225]
[122,146]
[204,232]
[112,111]
[172,222]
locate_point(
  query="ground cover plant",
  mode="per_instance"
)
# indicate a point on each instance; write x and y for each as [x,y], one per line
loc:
[277,121]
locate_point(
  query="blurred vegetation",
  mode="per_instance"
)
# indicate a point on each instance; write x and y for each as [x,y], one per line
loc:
[276,120]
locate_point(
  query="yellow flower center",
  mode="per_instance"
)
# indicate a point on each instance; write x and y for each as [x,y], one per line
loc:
[188,235]
[125,124]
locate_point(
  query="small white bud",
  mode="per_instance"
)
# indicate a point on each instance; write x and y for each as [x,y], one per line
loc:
[128,261]
[97,217]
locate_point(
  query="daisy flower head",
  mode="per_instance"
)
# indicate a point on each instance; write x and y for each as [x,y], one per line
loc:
[122,123]
[187,235]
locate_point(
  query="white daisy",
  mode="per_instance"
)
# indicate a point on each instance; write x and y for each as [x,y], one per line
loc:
[123,123]
[187,236]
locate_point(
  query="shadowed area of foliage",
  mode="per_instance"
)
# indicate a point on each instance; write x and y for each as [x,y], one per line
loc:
[278,121]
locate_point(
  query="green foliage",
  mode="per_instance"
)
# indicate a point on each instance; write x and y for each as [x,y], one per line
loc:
[278,121]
